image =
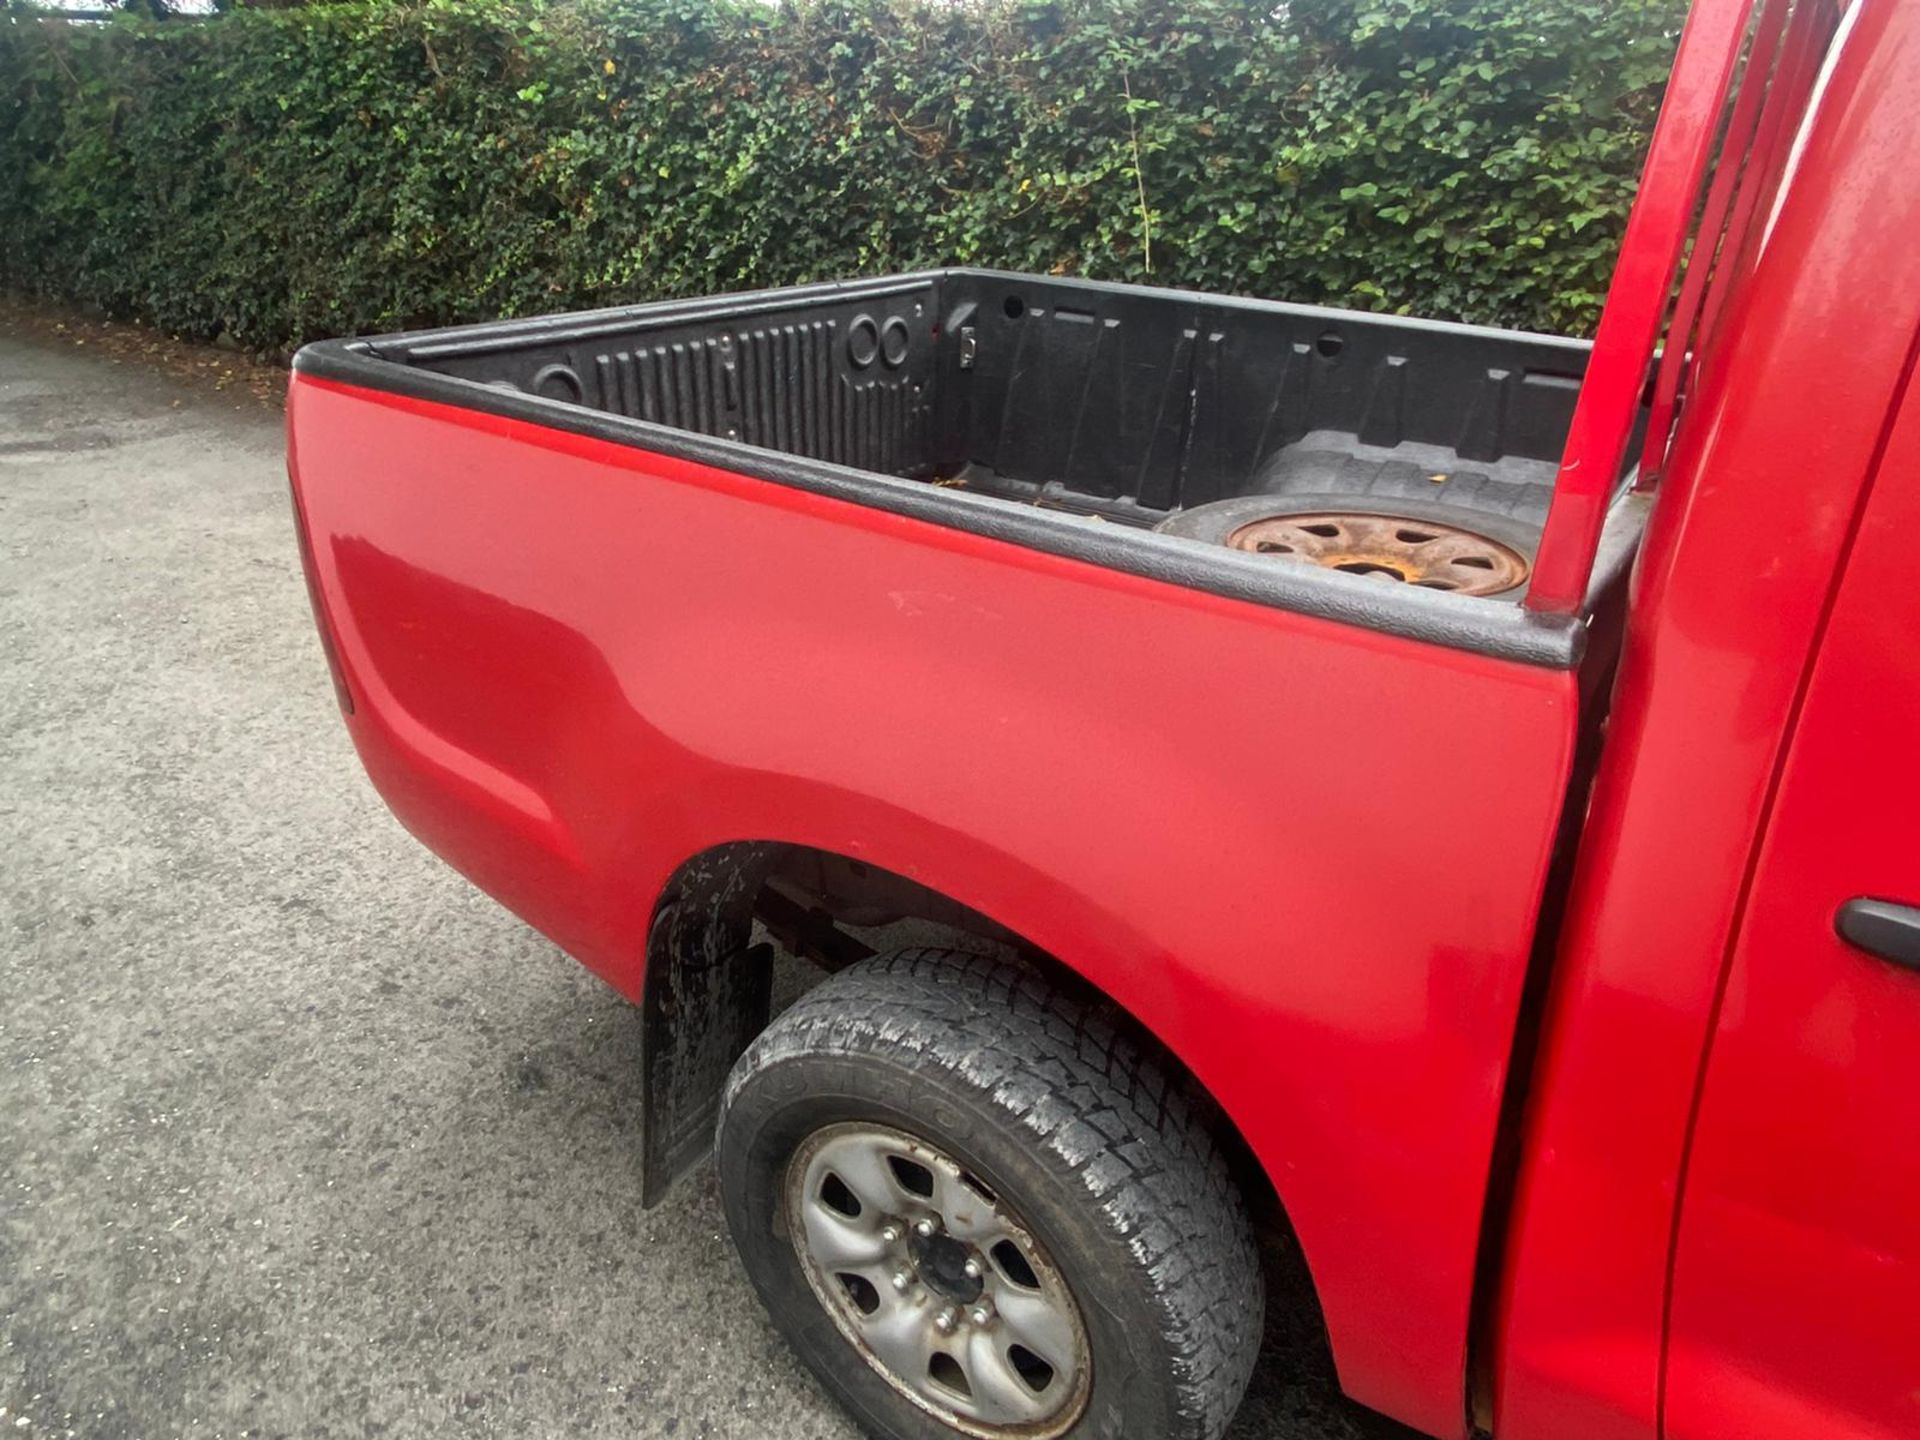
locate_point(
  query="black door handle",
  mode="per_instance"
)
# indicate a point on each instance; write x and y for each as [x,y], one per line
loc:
[1883,928]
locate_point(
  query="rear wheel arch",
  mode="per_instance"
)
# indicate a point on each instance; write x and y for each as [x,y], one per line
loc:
[707,990]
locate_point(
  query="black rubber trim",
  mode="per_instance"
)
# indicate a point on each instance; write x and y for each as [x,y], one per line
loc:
[1484,626]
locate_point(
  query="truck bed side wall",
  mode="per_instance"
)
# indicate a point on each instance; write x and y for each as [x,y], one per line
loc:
[1306,854]
[1129,401]
[1162,400]
[839,375]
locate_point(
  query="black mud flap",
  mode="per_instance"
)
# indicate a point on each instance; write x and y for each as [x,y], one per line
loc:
[706,996]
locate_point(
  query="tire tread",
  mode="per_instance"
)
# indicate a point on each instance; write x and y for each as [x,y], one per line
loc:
[1065,1068]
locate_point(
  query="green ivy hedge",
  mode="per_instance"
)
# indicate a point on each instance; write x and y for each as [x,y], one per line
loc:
[276,175]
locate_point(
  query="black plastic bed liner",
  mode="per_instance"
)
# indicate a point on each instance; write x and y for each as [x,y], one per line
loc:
[1072,396]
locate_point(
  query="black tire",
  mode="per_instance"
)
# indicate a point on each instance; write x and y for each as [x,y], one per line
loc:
[1214,522]
[1073,1124]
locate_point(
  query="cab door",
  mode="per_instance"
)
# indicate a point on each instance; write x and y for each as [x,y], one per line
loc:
[1795,1299]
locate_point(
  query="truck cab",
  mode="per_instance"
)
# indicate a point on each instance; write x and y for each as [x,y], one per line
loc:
[1429,794]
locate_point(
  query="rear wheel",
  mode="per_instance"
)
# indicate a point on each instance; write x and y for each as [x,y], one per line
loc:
[976,1205]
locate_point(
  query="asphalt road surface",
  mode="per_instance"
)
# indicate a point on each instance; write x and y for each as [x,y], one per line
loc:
[299,1134]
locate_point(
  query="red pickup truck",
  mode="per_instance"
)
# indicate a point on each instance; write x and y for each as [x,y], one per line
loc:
[1440,794]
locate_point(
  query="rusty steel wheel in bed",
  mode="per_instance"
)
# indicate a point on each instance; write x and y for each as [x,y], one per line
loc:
[1460,548]
[1398,549]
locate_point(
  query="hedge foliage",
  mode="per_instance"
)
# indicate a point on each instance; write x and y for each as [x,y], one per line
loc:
[283,174]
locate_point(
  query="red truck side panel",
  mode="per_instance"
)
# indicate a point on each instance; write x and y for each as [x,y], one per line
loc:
[1737,567]
[1307,855]
[1796,1292]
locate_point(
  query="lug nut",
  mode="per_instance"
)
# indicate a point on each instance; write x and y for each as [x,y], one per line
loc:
[923,1228]
[890,1233]
[901,1280]
[981,1314]
[972,1267]
[944,1321]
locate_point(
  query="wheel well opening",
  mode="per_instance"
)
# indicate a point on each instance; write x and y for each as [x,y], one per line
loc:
[828,911]
[788,916]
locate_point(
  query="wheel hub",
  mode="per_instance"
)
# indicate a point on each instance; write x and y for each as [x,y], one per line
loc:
[937,1283]
[1389,548]
[947,1266]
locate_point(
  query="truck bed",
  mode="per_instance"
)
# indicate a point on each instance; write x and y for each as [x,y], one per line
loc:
[1104,408]
[867,574]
